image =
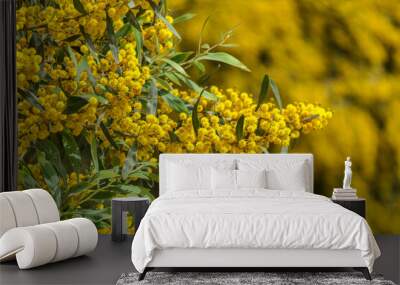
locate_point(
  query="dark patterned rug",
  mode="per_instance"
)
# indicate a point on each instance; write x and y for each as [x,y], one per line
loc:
[236,278]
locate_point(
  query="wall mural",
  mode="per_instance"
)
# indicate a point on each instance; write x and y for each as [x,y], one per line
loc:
[104,87]
[342,54]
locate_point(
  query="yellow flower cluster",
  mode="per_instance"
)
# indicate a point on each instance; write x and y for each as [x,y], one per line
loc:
[305,118]
[268,125]
[28,65]
[157,38]
[73,178]
[124,76]
[65,21]
[35,124]
[218,120]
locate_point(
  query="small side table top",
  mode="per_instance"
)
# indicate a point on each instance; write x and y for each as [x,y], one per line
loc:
[357,205]
[356,199]
[137,206]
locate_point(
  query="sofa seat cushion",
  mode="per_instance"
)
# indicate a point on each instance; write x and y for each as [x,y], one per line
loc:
[40,244]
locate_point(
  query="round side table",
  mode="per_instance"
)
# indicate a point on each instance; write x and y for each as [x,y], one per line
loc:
[120,207]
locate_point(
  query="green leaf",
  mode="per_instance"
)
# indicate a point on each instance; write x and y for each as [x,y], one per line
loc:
[168,24]
[204,78]
[72,151]
[81,186]
[93,152]
[259,131]
[130,162]
[105,174]
[181,56]
[146,193]
[111,38]
[163,7]
[225,58]
[275,91]
[89,43]
[203,27]
[195,117]
[229,45]
[50,177]
[140,175]
[184,17]
[173,137]
[199,66]
[53,155]
[175,66]
[75,104]
[154,5]
[123,31]
[132,19]
[72,38]
[82,66]
[108,135]
[240,128]
[25,175]
[79,7]
[59,56]
[110,30]
[193,85]
[115,53]
[262,96]
[104,195]
[164,84]
[172,78]
[72,56]
[152,98]
[36,42]
[31,98]
[176,103]
[130,189]
[49,41]
[139,43]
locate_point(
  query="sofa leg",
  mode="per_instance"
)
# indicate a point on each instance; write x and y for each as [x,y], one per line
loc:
[143,274]
[364,271]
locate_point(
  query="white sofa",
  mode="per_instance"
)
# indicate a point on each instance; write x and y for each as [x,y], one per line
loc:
[31,230]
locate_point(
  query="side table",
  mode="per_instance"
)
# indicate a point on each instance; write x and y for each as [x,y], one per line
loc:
[137,206]
[356,205]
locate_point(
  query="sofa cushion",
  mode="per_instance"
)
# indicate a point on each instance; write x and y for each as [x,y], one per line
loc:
[40,244]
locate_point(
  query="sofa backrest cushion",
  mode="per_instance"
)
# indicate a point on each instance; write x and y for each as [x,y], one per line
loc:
[26,208]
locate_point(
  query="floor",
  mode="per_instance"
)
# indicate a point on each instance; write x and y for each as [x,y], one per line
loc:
[103,266]
[110,260]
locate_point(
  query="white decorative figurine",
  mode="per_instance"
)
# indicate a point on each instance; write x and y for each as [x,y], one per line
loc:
[347,174]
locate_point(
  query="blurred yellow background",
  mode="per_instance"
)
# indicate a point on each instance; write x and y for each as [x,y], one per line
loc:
[342,54]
